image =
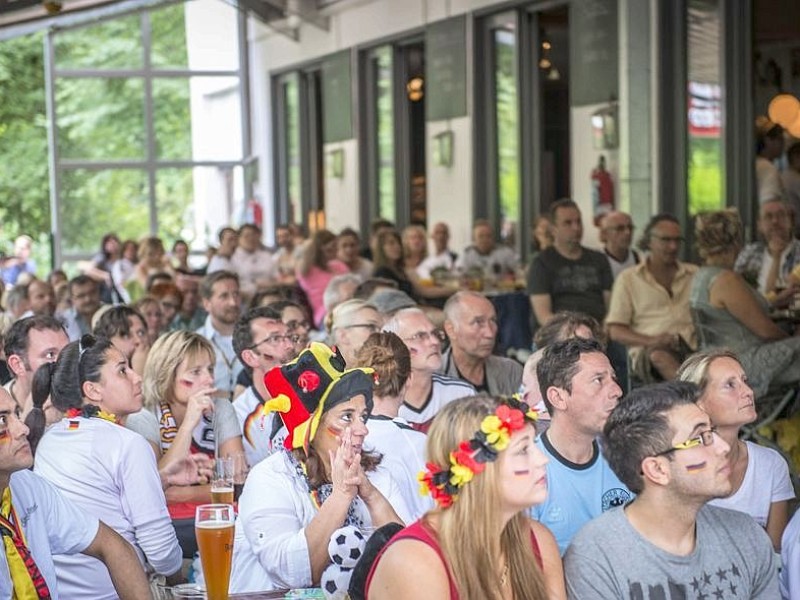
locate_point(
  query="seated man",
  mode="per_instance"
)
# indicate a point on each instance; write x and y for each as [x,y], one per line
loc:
[579,389]
[428,390]
[84,294]
[471,325]
[41,298]
[252,262]
[442,258]
[669,542]
[37,522]
[261,341]
[485,256]
[649,310]
[766,264]
[616,234]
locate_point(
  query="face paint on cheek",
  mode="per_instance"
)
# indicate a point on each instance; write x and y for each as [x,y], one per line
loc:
[333,431]
[188,384]
[695,468]
[522,473]
[4,437]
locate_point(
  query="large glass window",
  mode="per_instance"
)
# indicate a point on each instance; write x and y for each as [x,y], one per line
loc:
[506,104]
[705,151]
[381,65]
[148,111]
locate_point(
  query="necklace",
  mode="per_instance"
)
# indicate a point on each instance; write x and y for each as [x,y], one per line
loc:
[88,411]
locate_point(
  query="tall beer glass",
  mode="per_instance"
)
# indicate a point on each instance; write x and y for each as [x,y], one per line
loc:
[214,530]
[222,484]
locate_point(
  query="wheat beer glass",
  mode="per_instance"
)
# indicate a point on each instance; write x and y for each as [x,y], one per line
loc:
[222,484]
[213,527]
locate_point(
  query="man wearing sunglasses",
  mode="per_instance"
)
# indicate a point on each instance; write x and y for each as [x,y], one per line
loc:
[669,542]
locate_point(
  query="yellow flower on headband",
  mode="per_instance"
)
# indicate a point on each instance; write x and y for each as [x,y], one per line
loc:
[459,474]
[496,434]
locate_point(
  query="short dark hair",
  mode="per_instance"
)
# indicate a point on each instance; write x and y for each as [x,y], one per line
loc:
[223,231]
[207,285]
[81,279]
[243,333]
[558,204]
[639,427]
[379,224]
[16,339]
[644,241]
[114,321]
[252,226]
[559,364]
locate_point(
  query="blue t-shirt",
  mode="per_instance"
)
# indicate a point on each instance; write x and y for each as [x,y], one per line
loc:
[576,494]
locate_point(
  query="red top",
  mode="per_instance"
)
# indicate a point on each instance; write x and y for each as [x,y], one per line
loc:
[420,531]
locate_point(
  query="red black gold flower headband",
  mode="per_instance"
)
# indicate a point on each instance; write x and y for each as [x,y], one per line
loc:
[472,455]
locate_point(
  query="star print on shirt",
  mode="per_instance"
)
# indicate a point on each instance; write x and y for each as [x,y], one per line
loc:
[721,573]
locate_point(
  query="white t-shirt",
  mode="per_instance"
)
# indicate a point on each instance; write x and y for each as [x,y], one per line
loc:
[444,390]
[109,472]
[766,480]
[790,558]
[52,525]
[256,427]
[253,266]
[403,450]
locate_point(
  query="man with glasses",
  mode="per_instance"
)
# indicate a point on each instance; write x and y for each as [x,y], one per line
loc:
[261,341]
[669,542]
[428,390]
[580,390]
[767,263]
[84,295]
[470,321]
[649,311]
[616,234]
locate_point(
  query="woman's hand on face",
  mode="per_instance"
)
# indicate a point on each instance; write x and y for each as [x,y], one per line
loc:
[200,403]
[346,472]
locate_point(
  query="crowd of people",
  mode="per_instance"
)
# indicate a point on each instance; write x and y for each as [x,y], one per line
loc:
[341,378]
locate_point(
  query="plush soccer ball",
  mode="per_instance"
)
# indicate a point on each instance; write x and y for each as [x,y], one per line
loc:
[346,546]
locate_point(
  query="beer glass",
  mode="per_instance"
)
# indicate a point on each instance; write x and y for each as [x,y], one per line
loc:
[213,527]
[222,483]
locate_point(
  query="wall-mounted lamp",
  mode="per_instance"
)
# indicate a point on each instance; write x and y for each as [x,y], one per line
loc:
[336,163]
[443,149]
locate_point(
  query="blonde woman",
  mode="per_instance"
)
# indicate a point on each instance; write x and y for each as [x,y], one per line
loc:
[350,324]
[181,416]
[729,313]
[415,246]
[479,543]
[760,476]
[152,259]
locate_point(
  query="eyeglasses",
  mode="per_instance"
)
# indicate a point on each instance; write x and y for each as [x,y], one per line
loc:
[275,338]
[371,327]
[424,336]
[667,240]
[704,438]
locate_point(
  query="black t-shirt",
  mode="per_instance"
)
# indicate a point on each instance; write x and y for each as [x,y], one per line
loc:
[576,285]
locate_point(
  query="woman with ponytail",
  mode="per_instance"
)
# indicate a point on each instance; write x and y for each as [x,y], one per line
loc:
[99,465]
[484,472]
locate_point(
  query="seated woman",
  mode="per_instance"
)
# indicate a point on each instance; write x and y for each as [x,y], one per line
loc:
[182,417]
[760,476]
[99,465]
[125,327]
[729,313]
[484,472]
[316,267]
[296,498]
[402,447]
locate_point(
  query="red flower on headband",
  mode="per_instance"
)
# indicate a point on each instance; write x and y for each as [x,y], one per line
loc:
[512,419]
[308,381]
[465,455]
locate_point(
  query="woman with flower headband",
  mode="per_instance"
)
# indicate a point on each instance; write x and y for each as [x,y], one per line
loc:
[296,498]
[484,472]
[98,464]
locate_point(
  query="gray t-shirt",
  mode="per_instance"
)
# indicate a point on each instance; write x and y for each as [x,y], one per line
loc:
[224,425]
[732,558]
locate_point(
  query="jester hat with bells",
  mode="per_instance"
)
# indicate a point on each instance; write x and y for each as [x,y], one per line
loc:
[307,387]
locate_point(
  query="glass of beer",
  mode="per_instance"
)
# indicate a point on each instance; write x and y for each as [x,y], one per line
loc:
[222,484]
[213,527]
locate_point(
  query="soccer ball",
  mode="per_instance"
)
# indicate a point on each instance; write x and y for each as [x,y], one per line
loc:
[346,546]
